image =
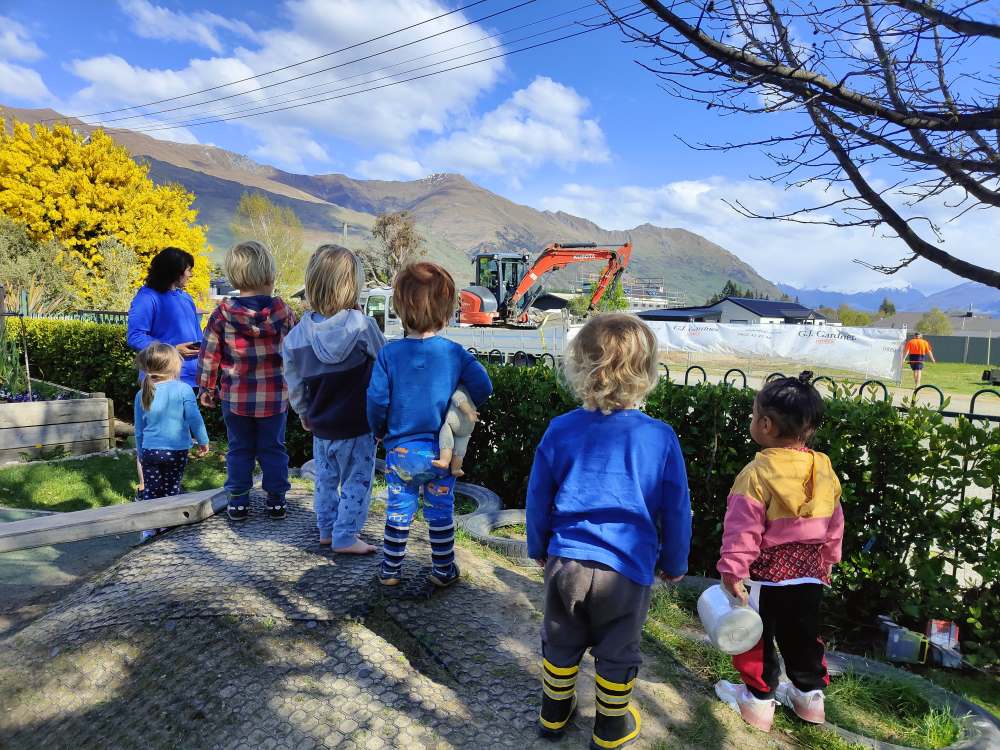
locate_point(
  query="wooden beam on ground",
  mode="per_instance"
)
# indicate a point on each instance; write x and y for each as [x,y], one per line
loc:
[59,528]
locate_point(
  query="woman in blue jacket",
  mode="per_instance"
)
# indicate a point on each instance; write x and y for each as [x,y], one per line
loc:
[162,311]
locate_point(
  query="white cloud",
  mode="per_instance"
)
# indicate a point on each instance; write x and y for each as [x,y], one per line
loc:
[156,22]
[540,124]
[21,82]
[289,148]
[804,255]
[391,167]
[16,43]
[386,118]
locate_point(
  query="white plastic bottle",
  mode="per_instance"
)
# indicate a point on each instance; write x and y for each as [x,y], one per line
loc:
[732,627]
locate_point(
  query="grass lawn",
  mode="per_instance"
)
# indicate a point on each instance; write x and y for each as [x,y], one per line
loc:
[94,482]
[514,531]
[949,377]
[886,710]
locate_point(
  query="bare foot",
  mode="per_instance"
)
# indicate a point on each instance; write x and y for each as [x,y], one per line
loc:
[325,542]
[440,464]
[457,473]
[358,548]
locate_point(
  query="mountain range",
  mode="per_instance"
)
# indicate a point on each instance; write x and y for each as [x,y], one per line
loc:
[456,217]
[981,298]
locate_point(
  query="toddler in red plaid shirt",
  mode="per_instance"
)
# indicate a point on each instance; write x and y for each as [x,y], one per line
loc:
[241,360]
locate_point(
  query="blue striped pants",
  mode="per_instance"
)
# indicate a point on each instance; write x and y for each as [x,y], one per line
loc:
[408,472]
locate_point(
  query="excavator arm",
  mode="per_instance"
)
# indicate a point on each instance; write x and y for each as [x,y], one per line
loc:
[555,257]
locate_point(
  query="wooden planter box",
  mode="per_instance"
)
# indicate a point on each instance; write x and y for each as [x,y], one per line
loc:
[81,425]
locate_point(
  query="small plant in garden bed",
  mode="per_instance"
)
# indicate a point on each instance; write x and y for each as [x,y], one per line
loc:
[36,394]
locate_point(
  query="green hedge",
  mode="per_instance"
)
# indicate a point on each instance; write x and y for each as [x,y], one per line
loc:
[910,479]
[914,482]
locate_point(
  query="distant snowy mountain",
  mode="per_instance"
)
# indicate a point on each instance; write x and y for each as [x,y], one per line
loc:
[984,299]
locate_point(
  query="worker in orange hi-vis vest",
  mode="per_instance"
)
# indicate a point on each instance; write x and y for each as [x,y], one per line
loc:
[915,353]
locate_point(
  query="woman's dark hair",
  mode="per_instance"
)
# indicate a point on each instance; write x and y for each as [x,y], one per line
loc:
[167,267]
[793,404]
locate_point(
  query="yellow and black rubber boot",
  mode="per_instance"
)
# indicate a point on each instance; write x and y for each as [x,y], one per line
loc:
[617,723]
[558,698]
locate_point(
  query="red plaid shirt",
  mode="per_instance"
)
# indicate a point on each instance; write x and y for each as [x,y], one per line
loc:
[241,356]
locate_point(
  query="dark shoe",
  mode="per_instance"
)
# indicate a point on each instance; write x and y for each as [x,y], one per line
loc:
[239,512]
[276,506]
[445,581]
[558,699]
[617,723]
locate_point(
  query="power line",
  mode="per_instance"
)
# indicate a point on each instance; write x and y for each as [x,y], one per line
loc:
[278,99]
[285,67]
[198,123]
[307,75]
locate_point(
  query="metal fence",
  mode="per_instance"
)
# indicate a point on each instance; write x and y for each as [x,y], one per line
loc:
[976,350]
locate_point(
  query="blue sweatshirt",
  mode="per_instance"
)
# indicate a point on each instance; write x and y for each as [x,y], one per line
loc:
[170,421]
[169,317]
[411,387]
[611,488]
[327,364]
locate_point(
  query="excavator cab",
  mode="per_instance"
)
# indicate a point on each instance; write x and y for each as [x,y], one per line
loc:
[500,273]
[497,277]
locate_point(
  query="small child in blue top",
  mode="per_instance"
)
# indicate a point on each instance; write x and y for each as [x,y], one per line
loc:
[607,507]
[408,398]
[166,416]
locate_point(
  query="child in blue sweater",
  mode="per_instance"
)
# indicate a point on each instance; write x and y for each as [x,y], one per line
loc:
[408,397]
[166,416]
[607,508]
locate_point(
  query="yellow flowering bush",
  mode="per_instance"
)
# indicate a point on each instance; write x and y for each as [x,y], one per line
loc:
[84,191]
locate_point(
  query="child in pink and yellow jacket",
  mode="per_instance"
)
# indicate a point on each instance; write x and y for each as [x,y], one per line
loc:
[783,531]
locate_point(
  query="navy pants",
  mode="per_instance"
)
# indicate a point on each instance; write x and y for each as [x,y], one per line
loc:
[162,472]
[253,439]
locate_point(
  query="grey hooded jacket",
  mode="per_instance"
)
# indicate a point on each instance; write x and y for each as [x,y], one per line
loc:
[327,364]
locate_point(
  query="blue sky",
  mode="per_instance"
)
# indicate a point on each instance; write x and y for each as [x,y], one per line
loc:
[576,126]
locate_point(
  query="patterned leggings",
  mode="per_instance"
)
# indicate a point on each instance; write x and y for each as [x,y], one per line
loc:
[162,472]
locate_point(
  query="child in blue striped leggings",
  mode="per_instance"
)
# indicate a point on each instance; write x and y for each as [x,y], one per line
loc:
[408,398]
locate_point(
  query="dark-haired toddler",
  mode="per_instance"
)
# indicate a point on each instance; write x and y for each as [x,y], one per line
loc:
[783,531]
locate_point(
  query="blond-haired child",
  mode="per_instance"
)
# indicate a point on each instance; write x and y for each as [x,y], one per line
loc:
[241,360]
[410,391]
[328,361]
[166,416]
[607,509]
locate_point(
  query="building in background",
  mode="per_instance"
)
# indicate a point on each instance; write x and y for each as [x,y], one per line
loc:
[739,310]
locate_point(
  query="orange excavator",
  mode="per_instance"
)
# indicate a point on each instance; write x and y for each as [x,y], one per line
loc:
[506,285]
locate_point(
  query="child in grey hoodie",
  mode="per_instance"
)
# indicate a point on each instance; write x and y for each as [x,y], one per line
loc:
[328,358]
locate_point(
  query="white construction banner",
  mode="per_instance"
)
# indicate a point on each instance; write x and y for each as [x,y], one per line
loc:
[873,352]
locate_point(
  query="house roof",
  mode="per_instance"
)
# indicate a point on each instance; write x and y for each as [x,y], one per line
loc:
[763,308]
[767,308]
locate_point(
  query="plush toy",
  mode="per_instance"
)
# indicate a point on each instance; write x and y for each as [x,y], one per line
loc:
[453,440]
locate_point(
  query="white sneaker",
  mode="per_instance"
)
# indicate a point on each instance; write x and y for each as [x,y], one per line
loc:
[809,707]
[755,712]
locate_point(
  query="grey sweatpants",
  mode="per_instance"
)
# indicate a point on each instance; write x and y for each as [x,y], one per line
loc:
[589,605]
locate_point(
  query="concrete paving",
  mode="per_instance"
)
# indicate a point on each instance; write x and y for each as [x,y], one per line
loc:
[31,579]
[251,635]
